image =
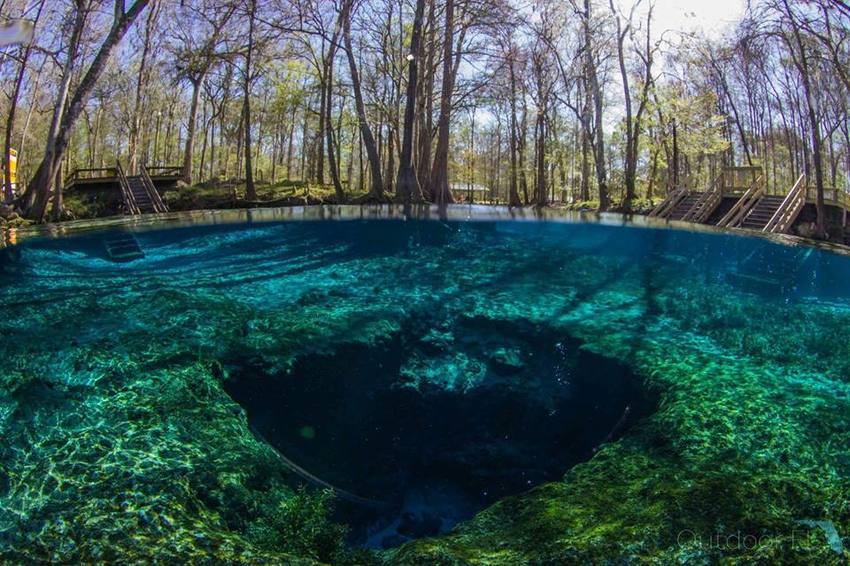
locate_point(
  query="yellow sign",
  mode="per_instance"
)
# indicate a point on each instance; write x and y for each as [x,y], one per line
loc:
[13,165]
[13,168]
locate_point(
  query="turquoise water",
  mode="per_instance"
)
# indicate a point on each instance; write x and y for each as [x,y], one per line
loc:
[389,390]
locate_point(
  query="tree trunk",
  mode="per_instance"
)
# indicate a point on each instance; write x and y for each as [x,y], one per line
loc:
[426,106]
[250,190]
[540,191]
[329,77]
[57,196]
[323,121]
[513,195]
[523,133]
[803,66]
[141,80]
[540,196]
[290,146]
[631,157]
[377,186]
[440,192]
[407,185]
[10,120]
[189,150]
[34,200]
[597,96]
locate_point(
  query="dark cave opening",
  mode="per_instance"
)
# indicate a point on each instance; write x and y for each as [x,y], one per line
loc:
[412,460]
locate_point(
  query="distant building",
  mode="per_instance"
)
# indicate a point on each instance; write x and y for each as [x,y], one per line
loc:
[463,192]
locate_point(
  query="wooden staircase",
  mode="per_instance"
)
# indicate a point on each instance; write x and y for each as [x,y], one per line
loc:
[707,202]
[773,214]
[139,193]
[761,213]
[755,210]
[744,206]
[671,201]
[691,206]
[789,210]
[683,207]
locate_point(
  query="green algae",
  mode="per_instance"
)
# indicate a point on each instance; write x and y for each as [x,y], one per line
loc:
[121,445]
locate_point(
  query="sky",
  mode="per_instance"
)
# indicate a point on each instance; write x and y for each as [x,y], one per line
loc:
[710,16]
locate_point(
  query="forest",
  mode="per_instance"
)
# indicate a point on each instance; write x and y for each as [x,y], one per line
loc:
[585,103]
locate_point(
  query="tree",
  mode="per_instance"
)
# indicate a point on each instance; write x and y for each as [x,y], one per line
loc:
[407,185]
[633,117]
[439,188]
[377,188]
[34,200]
[199,39]
[250,190]
[328,79]
[25,51]
[799,54]
[141,82]
[511,56]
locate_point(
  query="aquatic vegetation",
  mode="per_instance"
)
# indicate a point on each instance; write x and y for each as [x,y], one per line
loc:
[127,436]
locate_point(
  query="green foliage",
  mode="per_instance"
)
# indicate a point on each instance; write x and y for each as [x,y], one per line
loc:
[582,205]
[85,205]
[299,524]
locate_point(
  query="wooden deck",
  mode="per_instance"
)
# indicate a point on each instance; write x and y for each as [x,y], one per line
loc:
[140,193]
[102,177]
[756,206]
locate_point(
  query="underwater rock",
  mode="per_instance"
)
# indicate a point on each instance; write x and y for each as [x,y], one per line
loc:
[506,362]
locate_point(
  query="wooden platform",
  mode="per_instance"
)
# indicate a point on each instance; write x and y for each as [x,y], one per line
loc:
[140,194]
[756,207]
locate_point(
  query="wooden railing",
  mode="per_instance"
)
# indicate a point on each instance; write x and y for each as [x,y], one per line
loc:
[126,193]
[90,173]
[790,208]
[740,178]
[707,202]
[745,204]
[156,199]
[164,171]
[663,208]
[831,195]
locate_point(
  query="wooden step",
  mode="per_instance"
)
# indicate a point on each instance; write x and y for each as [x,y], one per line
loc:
[144,200]
[122,247]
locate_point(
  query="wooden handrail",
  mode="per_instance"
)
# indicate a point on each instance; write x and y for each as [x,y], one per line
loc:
[749,199]
[738,177]
[126,193]
[789,209]
[748,207]
[166,170]
[154,195]
[75,175]
[707,202]
[663,208]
